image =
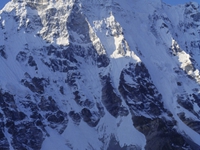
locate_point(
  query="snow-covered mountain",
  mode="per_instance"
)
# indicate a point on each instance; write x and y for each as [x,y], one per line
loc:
[99,75]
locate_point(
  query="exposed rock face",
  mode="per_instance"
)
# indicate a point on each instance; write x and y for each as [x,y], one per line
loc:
[2,52]
[111,101]
[160,134]
[114,144]
[140,94]
[3,140]
[194,124]
[25,134]
[92,75]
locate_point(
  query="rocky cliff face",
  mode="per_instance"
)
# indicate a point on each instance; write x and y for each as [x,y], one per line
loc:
[98,75]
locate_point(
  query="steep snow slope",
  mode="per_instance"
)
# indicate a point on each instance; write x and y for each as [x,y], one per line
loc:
[88,74]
